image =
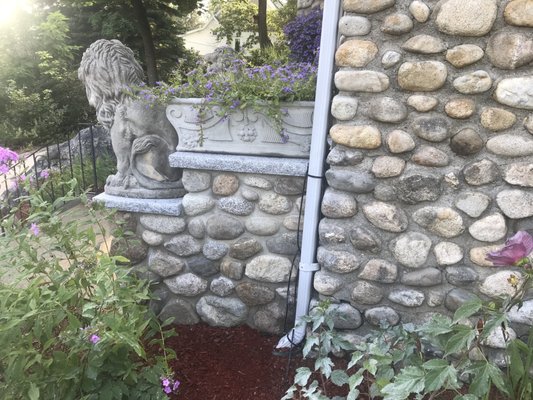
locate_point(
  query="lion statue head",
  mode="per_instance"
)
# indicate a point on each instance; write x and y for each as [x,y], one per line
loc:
[108,70]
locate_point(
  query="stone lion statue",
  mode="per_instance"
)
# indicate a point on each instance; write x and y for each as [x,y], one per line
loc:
[141,136]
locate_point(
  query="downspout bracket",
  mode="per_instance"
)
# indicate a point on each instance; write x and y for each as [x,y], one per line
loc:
[309,267]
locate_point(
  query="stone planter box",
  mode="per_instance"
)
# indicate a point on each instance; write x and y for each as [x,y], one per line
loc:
[243,132]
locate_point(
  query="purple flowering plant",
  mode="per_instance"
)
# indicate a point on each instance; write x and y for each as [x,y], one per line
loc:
[169,384]
[303,36]
[74,323]
[7,158]
[238,85]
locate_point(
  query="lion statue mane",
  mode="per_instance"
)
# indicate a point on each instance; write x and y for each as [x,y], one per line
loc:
[141,136]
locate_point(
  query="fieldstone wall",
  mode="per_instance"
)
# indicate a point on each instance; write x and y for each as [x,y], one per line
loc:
[431,162]
[228,258]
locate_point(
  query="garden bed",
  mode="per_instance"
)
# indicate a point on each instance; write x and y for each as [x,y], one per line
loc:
[229,364]
[216,363]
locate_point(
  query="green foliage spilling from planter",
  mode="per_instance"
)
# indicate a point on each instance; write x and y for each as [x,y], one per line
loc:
[73,324]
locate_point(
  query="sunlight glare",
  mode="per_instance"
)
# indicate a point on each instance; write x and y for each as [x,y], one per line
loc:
[8,8]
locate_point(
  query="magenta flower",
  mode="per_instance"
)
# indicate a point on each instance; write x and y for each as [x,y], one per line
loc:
[4,169]
[94,339]
[515,250]
[44,174]
[34,229]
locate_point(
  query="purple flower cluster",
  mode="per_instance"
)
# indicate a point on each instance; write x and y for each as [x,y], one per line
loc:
[6,158]
[169,385]
[231,88]
[303,36]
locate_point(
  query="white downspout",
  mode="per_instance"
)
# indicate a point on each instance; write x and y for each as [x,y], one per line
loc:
[308,264]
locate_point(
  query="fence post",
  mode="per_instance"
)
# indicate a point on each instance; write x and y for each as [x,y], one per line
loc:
[95,177]
[81,162]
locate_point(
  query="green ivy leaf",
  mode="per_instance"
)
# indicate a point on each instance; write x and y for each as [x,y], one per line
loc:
[33,392]
[440,374]
[339,377]
[409,380]
[466,397]
[302,376]
[355,380]
[467,309]
[484,374]
[356,357]
[89,310]
[289,394]
[439,325]
[495,322]
[461,340]
[317,322]
[371,365]
[353,394]
[324,364]
[310,342]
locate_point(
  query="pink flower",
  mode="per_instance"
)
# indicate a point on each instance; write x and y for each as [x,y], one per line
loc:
[515,250]
[34,229]
[4,169]
[44,174]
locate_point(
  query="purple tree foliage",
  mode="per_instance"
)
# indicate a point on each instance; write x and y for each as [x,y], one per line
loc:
[303,36]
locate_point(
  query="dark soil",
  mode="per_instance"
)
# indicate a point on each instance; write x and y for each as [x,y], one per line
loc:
[238,364]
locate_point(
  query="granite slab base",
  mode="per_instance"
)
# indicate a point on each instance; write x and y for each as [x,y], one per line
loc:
[239,163]
[170,207]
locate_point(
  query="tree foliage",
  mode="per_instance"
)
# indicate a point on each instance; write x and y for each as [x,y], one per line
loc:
[40,95]
[242,18]
[150,27]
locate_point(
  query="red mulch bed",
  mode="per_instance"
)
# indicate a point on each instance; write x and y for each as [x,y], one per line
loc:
[229,364]
[237,363]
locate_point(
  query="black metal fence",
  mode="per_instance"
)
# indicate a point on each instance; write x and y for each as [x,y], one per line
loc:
[76,157]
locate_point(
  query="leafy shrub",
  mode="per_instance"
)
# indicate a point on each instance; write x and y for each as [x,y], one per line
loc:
[84,172]
[303,36]
[29,118]
[393,362]
[400,362]
[73,324]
